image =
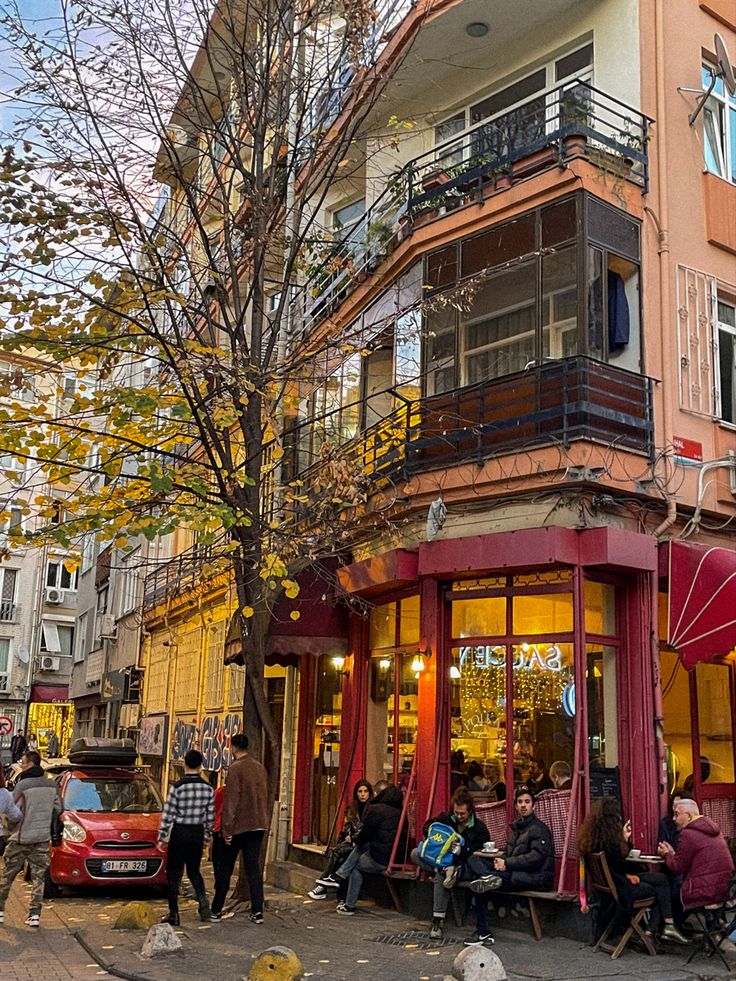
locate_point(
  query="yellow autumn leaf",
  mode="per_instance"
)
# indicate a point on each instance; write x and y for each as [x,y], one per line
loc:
[291,588]
[248,612]
[295,614]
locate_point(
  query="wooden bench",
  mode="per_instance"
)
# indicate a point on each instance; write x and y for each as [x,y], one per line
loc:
[531,896]
[400,875]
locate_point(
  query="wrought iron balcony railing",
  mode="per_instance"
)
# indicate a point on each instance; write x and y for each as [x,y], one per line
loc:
[572,121]
[9,611]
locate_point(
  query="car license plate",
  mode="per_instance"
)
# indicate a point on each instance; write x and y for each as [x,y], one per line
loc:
[124,866]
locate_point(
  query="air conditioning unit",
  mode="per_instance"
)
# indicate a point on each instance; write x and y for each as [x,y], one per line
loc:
[54,595]
[49,663]
[107,625]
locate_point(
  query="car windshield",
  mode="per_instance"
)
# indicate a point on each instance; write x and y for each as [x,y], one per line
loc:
[106,794]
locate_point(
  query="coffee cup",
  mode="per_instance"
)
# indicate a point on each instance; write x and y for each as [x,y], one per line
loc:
[489,846]
[635,853]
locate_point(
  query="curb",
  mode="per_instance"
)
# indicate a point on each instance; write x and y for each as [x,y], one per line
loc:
[110,968]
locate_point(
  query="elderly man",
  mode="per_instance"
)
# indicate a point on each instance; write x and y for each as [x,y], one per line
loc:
[702,857]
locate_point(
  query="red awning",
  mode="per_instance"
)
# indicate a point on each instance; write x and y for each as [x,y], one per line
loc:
[702,601]
[50,693]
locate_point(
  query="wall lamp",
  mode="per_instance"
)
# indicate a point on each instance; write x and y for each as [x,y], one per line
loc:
[338,662]
[418,664]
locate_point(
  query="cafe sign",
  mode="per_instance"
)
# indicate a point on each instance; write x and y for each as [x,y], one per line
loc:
[526,657]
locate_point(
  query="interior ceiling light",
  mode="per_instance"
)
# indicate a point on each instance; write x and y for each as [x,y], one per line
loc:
[476,29]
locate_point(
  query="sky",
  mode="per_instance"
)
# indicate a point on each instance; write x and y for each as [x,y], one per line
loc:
[30,10]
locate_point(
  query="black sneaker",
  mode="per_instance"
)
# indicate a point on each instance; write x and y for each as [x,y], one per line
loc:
[486,882]
[171,918]
[204,909]
[435,932]
[216,917]
[255,917]
[479,937]
[330,882]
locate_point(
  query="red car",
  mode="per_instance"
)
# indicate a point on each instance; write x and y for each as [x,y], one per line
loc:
[111,818]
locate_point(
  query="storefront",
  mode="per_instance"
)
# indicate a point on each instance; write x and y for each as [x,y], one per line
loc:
[488,651]
[50,711]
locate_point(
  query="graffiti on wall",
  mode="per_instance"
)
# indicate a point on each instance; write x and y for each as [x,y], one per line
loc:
[212,739]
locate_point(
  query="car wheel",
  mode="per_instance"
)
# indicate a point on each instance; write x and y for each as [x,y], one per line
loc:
[50,889]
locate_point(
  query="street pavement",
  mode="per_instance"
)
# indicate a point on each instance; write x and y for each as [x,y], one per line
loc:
[375,944]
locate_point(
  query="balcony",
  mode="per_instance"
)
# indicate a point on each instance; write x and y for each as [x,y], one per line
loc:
[554,403]
[571,122]
[184,571]
[9,611]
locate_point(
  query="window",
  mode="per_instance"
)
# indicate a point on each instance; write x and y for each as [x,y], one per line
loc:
[130,583]
[12,463]
[57,638]
[59,577]
[81,638]
[346,223]
[520,111]
[4,662]
[727,360]
[719,128]
[11,518]
[16,383]
[8,578]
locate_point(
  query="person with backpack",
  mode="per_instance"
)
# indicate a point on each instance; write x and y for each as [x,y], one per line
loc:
[449,839]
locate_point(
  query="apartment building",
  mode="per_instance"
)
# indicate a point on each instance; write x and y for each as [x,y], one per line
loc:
[534,249]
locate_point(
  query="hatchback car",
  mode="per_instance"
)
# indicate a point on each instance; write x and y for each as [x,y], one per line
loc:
[111,819]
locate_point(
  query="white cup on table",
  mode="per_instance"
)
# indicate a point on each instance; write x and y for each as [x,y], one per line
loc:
[635,853]
[489,846]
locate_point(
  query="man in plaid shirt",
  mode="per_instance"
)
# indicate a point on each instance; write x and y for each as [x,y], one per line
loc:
[189,813]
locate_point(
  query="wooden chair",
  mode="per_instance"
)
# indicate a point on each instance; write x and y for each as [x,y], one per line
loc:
[603,884]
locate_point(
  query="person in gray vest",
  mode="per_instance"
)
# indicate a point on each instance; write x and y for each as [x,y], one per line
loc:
[37,797]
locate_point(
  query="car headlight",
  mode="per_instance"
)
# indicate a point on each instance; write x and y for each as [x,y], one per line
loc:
[73,832]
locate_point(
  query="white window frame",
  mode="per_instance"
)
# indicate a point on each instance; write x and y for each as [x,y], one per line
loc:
[344,232]
[717,130]
[5,663]
[50,639]
[56,584]
[80,637]
[453,156]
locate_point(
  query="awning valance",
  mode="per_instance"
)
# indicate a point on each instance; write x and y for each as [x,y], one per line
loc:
[702,601]
[50,693]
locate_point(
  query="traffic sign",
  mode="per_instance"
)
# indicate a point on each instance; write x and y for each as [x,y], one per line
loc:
[6,725]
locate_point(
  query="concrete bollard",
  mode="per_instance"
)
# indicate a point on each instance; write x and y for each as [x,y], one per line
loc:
[478,964]
[276,964]
[160,939]
[135,916]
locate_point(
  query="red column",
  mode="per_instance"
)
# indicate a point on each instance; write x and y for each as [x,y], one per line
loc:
[433,742]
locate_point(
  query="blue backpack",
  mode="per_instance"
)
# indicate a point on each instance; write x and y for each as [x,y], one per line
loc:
[440,844]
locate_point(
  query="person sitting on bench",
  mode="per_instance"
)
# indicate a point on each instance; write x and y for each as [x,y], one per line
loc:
[528,863]
[463,819]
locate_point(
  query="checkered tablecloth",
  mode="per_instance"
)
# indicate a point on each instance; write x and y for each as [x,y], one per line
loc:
[552,807]
[494,818]
[722,810]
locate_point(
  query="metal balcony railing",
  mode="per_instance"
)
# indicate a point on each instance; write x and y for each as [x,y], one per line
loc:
[574,120]
[9,611]
[555,402]
[178,574]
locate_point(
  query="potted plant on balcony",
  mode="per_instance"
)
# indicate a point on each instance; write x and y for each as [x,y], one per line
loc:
[575,120]
[435,179]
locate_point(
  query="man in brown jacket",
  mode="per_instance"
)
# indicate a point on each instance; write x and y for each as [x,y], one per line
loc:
[244,821]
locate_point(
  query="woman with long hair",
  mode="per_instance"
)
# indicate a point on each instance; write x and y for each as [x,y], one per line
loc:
[354,813]
[604,830]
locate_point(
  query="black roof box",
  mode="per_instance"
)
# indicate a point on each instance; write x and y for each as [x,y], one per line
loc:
[92,750]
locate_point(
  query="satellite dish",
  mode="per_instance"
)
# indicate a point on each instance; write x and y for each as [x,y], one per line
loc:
[723,70]
[22,653]
[724,64]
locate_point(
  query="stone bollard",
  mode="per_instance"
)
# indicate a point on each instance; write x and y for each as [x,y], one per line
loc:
[160,939]
[478,964]
[135,916]
[276,964]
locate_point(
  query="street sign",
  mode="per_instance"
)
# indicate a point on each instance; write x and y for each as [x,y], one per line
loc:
[6,725]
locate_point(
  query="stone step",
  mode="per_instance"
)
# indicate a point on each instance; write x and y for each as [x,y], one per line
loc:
[291,877]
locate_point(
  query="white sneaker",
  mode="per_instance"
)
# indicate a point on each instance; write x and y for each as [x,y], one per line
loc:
[33,920]
[317,893]
[2,916]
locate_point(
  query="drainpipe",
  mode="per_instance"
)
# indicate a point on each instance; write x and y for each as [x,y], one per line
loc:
[670,519]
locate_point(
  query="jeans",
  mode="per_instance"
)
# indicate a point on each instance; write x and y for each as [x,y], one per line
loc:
[38,857]
[440,896]
[249,844]
[354,868]
[185,851]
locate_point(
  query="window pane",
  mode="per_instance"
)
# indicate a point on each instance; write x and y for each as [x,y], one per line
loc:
[559,304]
[559,223]
[612,228]
[542,614]
[732,125]
[441,349]
[407,369]
[442,267]
[714,137]
[575,63]
[622,310]
[541,726]
[600,608]
[595,348]
[499,331]
[409,622]
[602,706]
[676,710]
[326,747]
[498,245]
[477,724]
[509,96]
[479,617]
[714,723]
[727,374]
[4,654]
[379,718]
[383,626]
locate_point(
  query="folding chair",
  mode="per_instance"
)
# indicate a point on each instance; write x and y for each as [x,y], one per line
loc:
[715,923]
[603,884]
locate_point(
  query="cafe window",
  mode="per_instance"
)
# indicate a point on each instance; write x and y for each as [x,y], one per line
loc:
[326,746]
[600,680]
[391,709]
[715,723]
[675,682]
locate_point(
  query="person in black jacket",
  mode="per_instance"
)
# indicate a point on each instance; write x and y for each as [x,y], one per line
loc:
[463,819]
[373,845]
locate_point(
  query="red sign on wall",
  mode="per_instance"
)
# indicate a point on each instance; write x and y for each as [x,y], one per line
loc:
[688,448]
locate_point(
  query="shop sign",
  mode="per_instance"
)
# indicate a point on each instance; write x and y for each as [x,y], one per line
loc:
[688,449]
[526,657]
[113,686]
[214,739]
[152,736]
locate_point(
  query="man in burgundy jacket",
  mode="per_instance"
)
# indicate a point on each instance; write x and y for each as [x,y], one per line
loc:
[702,857]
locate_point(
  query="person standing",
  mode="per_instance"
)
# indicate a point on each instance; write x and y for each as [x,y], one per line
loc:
[18,746]
[52,746]
[188,817]
[36,796]
[245,818]
[8,810]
